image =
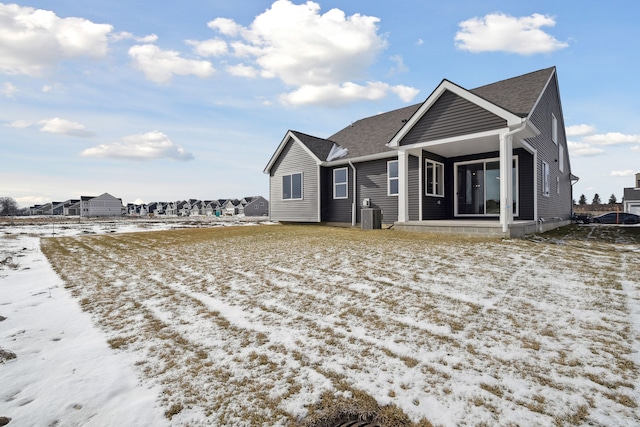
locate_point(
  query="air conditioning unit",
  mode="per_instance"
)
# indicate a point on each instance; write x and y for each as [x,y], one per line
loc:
[366,203]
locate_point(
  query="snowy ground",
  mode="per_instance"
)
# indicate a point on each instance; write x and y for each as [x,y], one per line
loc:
[265,325]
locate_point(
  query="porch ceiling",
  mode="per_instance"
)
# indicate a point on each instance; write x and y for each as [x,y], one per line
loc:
[463,147]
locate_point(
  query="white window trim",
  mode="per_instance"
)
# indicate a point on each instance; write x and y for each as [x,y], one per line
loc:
[546,190]
[440,181]
[389,178]
[554,128]
[561,158]
[345,183]
[301,186]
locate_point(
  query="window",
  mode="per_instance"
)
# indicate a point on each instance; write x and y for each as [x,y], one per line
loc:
[292,187]
[558,184]
[554,128]
[560,158]
[340,183]
[545,179]
[393,185]
[434,178]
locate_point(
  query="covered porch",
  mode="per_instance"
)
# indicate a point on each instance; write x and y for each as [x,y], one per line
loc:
[481,186]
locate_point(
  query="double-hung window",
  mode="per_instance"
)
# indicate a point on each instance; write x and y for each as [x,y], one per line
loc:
[393,185]
[545,180]
[340,183]
[292,187]
[434,178]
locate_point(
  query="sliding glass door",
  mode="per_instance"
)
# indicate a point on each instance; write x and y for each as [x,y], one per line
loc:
[478,187]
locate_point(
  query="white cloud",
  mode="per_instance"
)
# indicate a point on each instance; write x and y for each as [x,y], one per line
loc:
[500,32]
[148,146]
[399,66]
[309,51]
[636,148]
[420,42]
[612,138]
[624,173]
[241,70]
[580,130]
[125,35]
[212,47]
[226,26]
[64,127]
[333,94]
[32,40]
[19,124]
[160,65]
[8,89]
[581,149]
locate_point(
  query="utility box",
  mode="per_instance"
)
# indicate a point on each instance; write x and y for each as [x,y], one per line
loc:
[371,219]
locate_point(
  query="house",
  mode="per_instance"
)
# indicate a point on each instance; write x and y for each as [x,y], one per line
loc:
[256,206]
[104,205]
[72,207]
[632,198]
[231,207]
[494,157]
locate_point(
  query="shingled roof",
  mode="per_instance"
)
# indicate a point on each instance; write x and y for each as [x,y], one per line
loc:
[370,135]
[517,95]
[319,147]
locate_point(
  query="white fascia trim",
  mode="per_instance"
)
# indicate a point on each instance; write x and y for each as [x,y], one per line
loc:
[377,156]
[511,118]
[542,92]
[283,143]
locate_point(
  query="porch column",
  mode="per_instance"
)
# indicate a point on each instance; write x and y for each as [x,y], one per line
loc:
[403,186]
[506,181]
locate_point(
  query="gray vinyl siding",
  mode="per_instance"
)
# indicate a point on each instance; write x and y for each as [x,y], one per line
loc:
[555,205]
[336,210]
[452,116]
[294,159]
[414,188]
[372,184]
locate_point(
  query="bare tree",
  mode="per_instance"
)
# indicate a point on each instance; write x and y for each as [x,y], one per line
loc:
[8,206]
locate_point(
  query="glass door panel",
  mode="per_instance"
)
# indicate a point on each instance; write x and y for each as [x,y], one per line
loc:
[471,189]
[492,188]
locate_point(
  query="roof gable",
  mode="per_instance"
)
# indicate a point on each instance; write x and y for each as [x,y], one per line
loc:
[317,148]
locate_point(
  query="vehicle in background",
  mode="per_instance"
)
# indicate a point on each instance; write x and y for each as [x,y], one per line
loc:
[617,218]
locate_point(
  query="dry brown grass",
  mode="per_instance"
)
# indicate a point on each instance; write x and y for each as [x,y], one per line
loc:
[239,322]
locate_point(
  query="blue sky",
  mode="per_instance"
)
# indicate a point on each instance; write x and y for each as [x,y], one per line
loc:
[165,101]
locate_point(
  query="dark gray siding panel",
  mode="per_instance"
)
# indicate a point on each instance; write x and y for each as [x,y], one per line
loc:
[293,159]
[372,184]
[336,210]
[451,116]
[525,183]
[414,188]
[559,203]
[436,207]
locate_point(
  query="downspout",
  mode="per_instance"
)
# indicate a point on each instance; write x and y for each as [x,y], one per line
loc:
[353,204]
[504,218]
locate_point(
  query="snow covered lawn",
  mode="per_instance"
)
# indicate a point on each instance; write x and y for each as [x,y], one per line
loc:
[281,325]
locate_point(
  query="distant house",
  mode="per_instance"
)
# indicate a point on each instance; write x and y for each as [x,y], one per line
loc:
[632,197]
[104,205]
[497,153]
[257,206]
[231,207]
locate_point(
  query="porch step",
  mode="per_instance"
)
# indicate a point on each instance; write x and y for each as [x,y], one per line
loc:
[469,228]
